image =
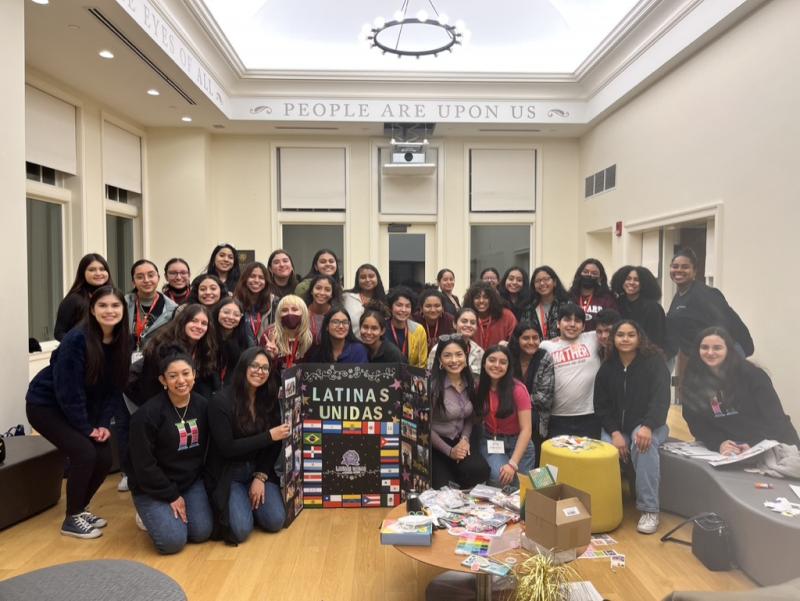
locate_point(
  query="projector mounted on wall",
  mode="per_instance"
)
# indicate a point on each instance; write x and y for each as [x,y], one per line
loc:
[408,141]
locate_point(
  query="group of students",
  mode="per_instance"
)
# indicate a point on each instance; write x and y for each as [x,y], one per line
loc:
[190,372]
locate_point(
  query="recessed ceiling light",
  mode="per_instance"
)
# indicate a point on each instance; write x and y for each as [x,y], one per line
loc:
[153,92]
[41,1]
[186,119]
[106,54]
[218,126]
[73,27]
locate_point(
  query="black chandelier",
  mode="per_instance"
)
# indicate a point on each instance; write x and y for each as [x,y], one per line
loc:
[387,36]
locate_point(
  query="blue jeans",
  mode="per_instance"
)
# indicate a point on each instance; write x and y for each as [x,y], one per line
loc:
[498,460]
[270,516]
[647,467]
[169,533]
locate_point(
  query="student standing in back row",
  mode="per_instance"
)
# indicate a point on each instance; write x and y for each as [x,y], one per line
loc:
[148,310]
[576,359]
[93,272]
[590,291]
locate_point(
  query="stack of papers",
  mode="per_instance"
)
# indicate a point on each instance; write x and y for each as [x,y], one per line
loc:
[695,450]
[783,506]
[573,443]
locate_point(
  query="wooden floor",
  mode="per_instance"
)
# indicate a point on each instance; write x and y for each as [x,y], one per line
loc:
[329,555]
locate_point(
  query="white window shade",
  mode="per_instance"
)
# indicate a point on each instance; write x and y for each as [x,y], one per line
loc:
[312,178]
[651,249]
[122,158]
[49,131]
[503,180]
[408,193]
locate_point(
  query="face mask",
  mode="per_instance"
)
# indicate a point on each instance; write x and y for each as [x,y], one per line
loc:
[290,322]
[588,281]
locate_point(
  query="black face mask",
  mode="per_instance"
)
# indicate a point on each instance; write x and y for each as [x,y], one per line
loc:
[588,282]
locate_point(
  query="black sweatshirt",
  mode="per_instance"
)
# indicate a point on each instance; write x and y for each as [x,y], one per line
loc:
[650,316]
[166,456]
[748,410]
[624,397]
[71,310]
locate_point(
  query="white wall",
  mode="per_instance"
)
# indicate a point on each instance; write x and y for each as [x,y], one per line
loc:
[14,317]
[722,128]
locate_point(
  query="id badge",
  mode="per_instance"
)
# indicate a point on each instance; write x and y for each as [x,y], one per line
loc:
[495,446]
[135,356]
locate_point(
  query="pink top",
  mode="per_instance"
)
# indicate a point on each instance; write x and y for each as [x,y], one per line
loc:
[507,426]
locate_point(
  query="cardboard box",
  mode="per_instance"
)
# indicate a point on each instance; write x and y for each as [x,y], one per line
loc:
[558,517]
[392,533]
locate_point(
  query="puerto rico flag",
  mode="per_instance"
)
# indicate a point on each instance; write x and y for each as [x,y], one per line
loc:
[312,453]
[332,427]
[370,427]
[351,428]
[312,425]
[371,501]
[332,501]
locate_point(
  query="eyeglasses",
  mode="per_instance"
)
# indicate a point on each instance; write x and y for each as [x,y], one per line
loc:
[178,274]
[340,323]
[450,337]
[258,368]
[546,280]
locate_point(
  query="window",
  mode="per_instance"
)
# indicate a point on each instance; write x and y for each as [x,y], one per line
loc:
[303,241]
[312,179]
[45,175]
[117,194]
[119,246]
[502,180]
[45,267]
[499,246]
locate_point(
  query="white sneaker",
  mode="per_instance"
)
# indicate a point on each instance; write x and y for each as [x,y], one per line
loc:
[648,523]
[140,523]
[123,484]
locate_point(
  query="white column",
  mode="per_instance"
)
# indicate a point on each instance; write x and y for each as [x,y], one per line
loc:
[13,298]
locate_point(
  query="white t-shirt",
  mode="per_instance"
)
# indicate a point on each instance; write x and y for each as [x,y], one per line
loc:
[575,364]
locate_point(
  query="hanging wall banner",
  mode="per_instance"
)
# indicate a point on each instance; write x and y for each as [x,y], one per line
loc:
[365,435]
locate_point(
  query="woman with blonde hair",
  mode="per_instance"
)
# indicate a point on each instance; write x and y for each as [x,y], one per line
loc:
[290,337]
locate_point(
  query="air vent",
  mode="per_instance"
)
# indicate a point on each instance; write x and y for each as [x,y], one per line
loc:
[601,181]
[508,130]
[138,52]
[306,128]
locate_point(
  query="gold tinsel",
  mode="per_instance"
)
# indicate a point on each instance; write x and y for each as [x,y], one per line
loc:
[540,578]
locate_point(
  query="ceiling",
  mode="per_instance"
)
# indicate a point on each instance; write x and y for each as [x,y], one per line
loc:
[510,36]
[542,52]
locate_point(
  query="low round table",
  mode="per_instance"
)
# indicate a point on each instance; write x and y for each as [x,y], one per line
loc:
[594,470]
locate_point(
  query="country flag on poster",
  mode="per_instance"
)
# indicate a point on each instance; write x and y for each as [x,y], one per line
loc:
[311,438]
[312,425]
[312,465]
[389,428]
[388,471]
[390,485]
[332,427]
[312,490]
[351,427]
[332,501]
[351,500]
[390,456]
[313,477]
[392,500]
[370,427]
[389,443]
[312,453]
[371,501]
[312,502]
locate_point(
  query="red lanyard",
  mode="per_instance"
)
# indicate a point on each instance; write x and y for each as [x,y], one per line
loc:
[484,326]
[543,322]
[141,326]
[292,357]
[404,350]
[255,324]
[435,333]
[491,419]
[587,303]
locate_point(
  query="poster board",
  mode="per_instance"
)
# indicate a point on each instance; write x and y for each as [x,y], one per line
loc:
[360,438]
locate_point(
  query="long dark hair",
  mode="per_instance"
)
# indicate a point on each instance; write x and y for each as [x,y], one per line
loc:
[523,296]
[266,395]
[437,378]
[231,347]
[80,285]
[645,348]
[260,302]
[120,342]
[560,293]
[336,290]
[380,291]
[233,275]
[602,282]
[505,387]
[293,280]
[204,351]
[325,343]
[495,302]
[700,383]
[648,284]
[516,351]
[325,251]
[193,296]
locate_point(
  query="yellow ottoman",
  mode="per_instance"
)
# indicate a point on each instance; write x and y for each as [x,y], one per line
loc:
[594,470]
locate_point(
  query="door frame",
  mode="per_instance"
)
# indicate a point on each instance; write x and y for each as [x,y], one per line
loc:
[431,255]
